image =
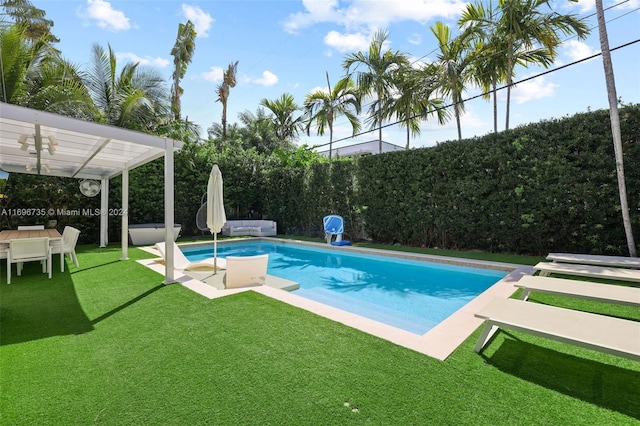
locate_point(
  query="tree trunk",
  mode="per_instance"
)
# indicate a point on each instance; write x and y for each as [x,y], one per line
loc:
[509,83]
[456,112]
[379,124]
[330,142]
[408,134]
[495,107]
[615,126]
[408,129]
[224,121]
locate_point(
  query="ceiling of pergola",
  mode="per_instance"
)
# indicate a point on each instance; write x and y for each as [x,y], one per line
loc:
[62,146]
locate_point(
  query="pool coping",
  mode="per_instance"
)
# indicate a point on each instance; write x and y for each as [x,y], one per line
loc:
[439,342]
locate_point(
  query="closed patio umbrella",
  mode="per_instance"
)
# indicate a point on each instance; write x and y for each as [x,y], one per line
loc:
[216,216]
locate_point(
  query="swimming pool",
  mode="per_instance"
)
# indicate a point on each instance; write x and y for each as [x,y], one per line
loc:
[412,295]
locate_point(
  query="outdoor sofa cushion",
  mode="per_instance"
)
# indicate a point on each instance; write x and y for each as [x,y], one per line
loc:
[255,228]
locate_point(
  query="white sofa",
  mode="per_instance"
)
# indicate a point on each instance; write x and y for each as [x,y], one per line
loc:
[255,228]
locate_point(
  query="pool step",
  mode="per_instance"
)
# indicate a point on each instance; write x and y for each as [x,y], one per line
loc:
[402,320]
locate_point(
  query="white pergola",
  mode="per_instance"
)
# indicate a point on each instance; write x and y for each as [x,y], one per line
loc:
[42,143]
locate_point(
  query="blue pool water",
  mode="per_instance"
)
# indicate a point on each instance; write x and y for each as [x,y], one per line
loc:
[409,294]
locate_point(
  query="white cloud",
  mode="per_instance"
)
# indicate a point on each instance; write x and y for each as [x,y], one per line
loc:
[346,42]
[415,39]
[585,6]
[576,50]
[105,16]
[146,61]
[213,75]
[632,4]
[268,79]
[357,14]
[202,21]
[324,89]
[315,11]
[468,120]
[421,61]
[529,90]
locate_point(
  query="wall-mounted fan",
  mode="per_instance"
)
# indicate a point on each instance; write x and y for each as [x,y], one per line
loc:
[89,187]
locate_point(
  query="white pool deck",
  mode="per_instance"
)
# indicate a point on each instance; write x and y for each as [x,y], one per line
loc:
[439,342]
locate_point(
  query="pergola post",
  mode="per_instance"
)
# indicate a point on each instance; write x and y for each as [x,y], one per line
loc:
[168,212]
[125,214]
[104,208]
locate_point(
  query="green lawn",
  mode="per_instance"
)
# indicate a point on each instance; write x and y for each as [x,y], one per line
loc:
[107,343]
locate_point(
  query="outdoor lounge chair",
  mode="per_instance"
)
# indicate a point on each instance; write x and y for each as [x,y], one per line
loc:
[181,262]
[580,289]
[598,332]
[243,271]
[610,273]
[593,259]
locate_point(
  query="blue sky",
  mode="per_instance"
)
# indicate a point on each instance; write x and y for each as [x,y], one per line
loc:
[289,45]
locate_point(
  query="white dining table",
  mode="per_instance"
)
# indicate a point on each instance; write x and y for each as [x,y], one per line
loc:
[14,234]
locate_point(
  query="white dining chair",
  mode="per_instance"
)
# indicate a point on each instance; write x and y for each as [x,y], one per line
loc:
[28,250]
[30,227]
[66,245]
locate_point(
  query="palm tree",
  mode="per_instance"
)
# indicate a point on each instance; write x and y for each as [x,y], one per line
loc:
[378,78]
[36,26]
[259,131]
[17,57]
[522,26]
[57,86]
[287,125]
[488,60]
[223,89]
[134,99]
[488,69]
[489,52]
[414,101]
[453,63]
[322,107]
[182,53]
[615,126]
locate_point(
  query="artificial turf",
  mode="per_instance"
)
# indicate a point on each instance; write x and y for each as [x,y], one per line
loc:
[108,343]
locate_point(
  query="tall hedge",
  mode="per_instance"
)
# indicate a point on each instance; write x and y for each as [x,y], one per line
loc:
[547,186]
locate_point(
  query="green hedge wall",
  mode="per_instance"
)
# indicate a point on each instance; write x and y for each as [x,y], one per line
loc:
[547,186]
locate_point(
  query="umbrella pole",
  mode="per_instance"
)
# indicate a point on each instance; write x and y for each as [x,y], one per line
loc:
[215,253]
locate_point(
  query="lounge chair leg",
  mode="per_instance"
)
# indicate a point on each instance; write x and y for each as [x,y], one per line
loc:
[525,294]
[487,334]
